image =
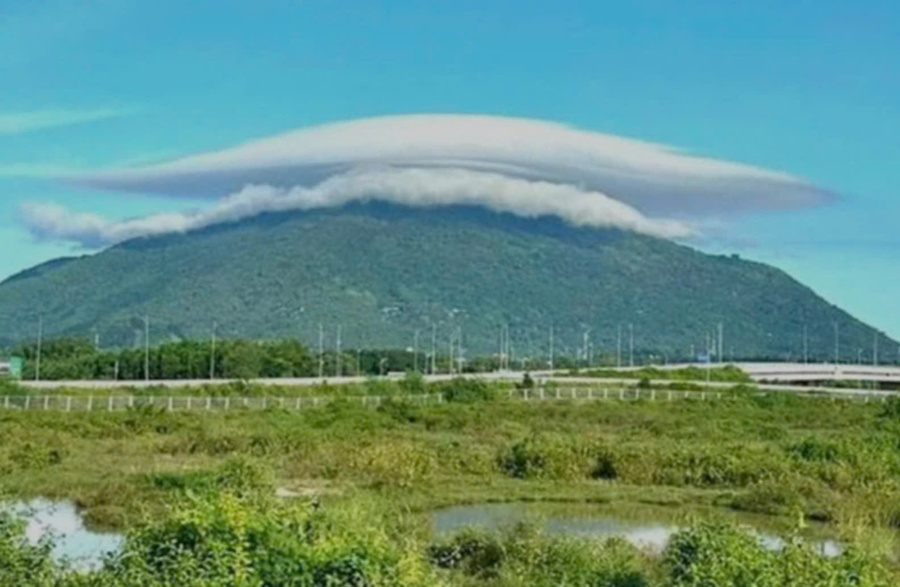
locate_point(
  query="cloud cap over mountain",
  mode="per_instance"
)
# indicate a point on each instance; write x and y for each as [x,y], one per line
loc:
[652,178]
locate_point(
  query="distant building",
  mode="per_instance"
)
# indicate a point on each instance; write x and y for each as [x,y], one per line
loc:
[11,367]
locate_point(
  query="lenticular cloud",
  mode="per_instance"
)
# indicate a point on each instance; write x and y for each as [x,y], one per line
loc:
[526,167]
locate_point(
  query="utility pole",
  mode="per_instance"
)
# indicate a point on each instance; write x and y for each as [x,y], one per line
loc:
[551,348]
[837,345]
[501,351]
[358,352]
[40,342]
[619,347]
[212,354]
[321,352]
[416,352]
[459,350]
[504,347]
[337,353]
[721,356]
[805,344]
[875,350]
[708,356]
[450,360]
[433,346]
[630,344]
[146,347]
[585,342]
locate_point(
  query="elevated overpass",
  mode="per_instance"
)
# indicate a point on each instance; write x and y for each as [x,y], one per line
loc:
[819,372]
[805,373]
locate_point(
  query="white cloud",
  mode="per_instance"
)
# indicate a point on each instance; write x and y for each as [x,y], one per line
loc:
[412,187]
[526,167]
[22,122]
[653,178]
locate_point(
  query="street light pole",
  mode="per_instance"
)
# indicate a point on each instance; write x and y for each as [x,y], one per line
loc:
[321,352]
[630,344]
[337,353]
[720,349]
[40,342]
[551,348]
[212,354]
[146,347]
[805,344]
[433,346]
[619,346]
[837,345]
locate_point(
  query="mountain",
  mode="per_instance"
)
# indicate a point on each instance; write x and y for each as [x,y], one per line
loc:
[383,271]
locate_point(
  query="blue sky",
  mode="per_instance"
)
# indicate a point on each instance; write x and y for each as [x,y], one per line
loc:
[810,88]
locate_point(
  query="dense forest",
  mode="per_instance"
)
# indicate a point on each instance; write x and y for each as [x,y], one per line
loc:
[383,273]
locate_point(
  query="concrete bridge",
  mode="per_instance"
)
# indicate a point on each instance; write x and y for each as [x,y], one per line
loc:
[816,372]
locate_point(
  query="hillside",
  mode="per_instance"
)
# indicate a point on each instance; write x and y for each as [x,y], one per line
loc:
[383,271]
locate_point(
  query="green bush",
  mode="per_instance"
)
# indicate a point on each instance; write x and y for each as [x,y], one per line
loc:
[716,554]
[814,449]
[475,552]
[464,390]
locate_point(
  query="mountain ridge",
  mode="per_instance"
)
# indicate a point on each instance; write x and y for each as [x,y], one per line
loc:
[383,271]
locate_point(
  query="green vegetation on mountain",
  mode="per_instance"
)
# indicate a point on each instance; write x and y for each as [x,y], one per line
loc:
[383,272]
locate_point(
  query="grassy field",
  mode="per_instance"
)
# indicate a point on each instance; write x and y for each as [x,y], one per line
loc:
[363,477]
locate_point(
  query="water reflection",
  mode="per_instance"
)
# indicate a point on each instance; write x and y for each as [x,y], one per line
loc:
[647,527]
[72,540]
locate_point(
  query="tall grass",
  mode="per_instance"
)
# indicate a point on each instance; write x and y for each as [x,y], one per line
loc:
[793,457]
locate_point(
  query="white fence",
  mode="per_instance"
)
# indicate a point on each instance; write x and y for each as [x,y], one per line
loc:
[114,403]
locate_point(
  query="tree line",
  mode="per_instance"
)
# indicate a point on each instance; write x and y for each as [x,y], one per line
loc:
[80,359]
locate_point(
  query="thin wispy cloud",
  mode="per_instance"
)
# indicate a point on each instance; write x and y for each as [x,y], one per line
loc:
[36,170]
[12,123]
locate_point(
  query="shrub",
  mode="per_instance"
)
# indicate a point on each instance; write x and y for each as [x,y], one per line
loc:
[813,449]
[463,390]
[526,383]
[556,457]
[891,408]
[413,383]
[400,410]
[475,552]
[522,460]
[723,555]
